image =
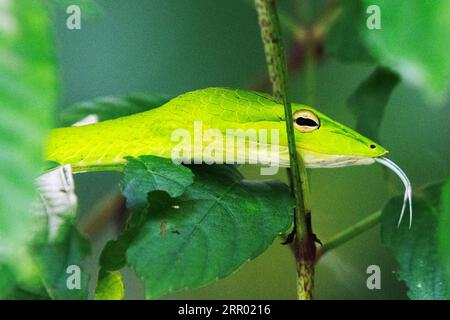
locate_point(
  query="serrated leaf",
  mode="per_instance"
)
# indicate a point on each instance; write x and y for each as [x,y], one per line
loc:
[140,176]
[417,250]
[108,108]
[370,99]
[414,40]
[150,173]
[110,286]
[220,222]
[27,97]
[345,39]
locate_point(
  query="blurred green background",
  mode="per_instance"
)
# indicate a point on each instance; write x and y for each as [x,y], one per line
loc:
[174,46]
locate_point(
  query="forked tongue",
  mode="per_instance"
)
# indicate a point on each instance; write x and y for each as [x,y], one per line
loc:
[407,198]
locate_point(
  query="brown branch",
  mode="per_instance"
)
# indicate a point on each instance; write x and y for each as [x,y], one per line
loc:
[110,207]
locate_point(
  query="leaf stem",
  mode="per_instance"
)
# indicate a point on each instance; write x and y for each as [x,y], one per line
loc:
[304,247]
[350,233]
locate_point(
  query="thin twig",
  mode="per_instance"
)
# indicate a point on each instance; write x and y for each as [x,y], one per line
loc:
[304,246]
[350,233]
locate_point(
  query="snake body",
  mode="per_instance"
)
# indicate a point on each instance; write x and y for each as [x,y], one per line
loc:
[229,113]
[104,145]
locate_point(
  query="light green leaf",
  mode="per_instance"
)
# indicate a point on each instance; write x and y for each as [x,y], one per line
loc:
[370,99]
[414,40]
[421,258]
[220,222]
[27,97]
[110,286]
[108,108]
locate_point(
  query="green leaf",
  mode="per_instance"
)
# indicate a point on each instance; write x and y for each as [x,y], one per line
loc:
[110,286]
[108,108]
[420,256]
[53,260]
[220,222]
[27,97]
[344,39]
[141,176]
[113,256]
[370,99]
[7,281]
[414,40]
[150,173]
[444,229]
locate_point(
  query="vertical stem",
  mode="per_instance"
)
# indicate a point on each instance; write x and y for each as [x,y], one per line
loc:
[304,247]
[304,243]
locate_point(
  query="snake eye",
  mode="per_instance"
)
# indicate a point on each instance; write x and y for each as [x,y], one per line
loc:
[306,120]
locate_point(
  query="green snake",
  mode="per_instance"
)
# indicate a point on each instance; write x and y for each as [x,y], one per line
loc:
[321,141]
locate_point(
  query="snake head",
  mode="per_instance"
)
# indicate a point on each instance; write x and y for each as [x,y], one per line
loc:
[324,142]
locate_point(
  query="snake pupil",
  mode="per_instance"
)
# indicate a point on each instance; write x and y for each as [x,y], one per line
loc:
[306,122]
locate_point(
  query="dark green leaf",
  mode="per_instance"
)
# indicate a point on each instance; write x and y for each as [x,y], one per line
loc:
[51,261]
[27,97]
[370,99]
[54,258]
[414,40]
[421,259]
[218,224]
[444,229]
[113,254]
[141,176]
[149,173]
[7,281]
[344,40]
[108,108]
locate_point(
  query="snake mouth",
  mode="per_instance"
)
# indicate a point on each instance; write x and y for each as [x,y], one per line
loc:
[385,152]
[313,159]
[407,196]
